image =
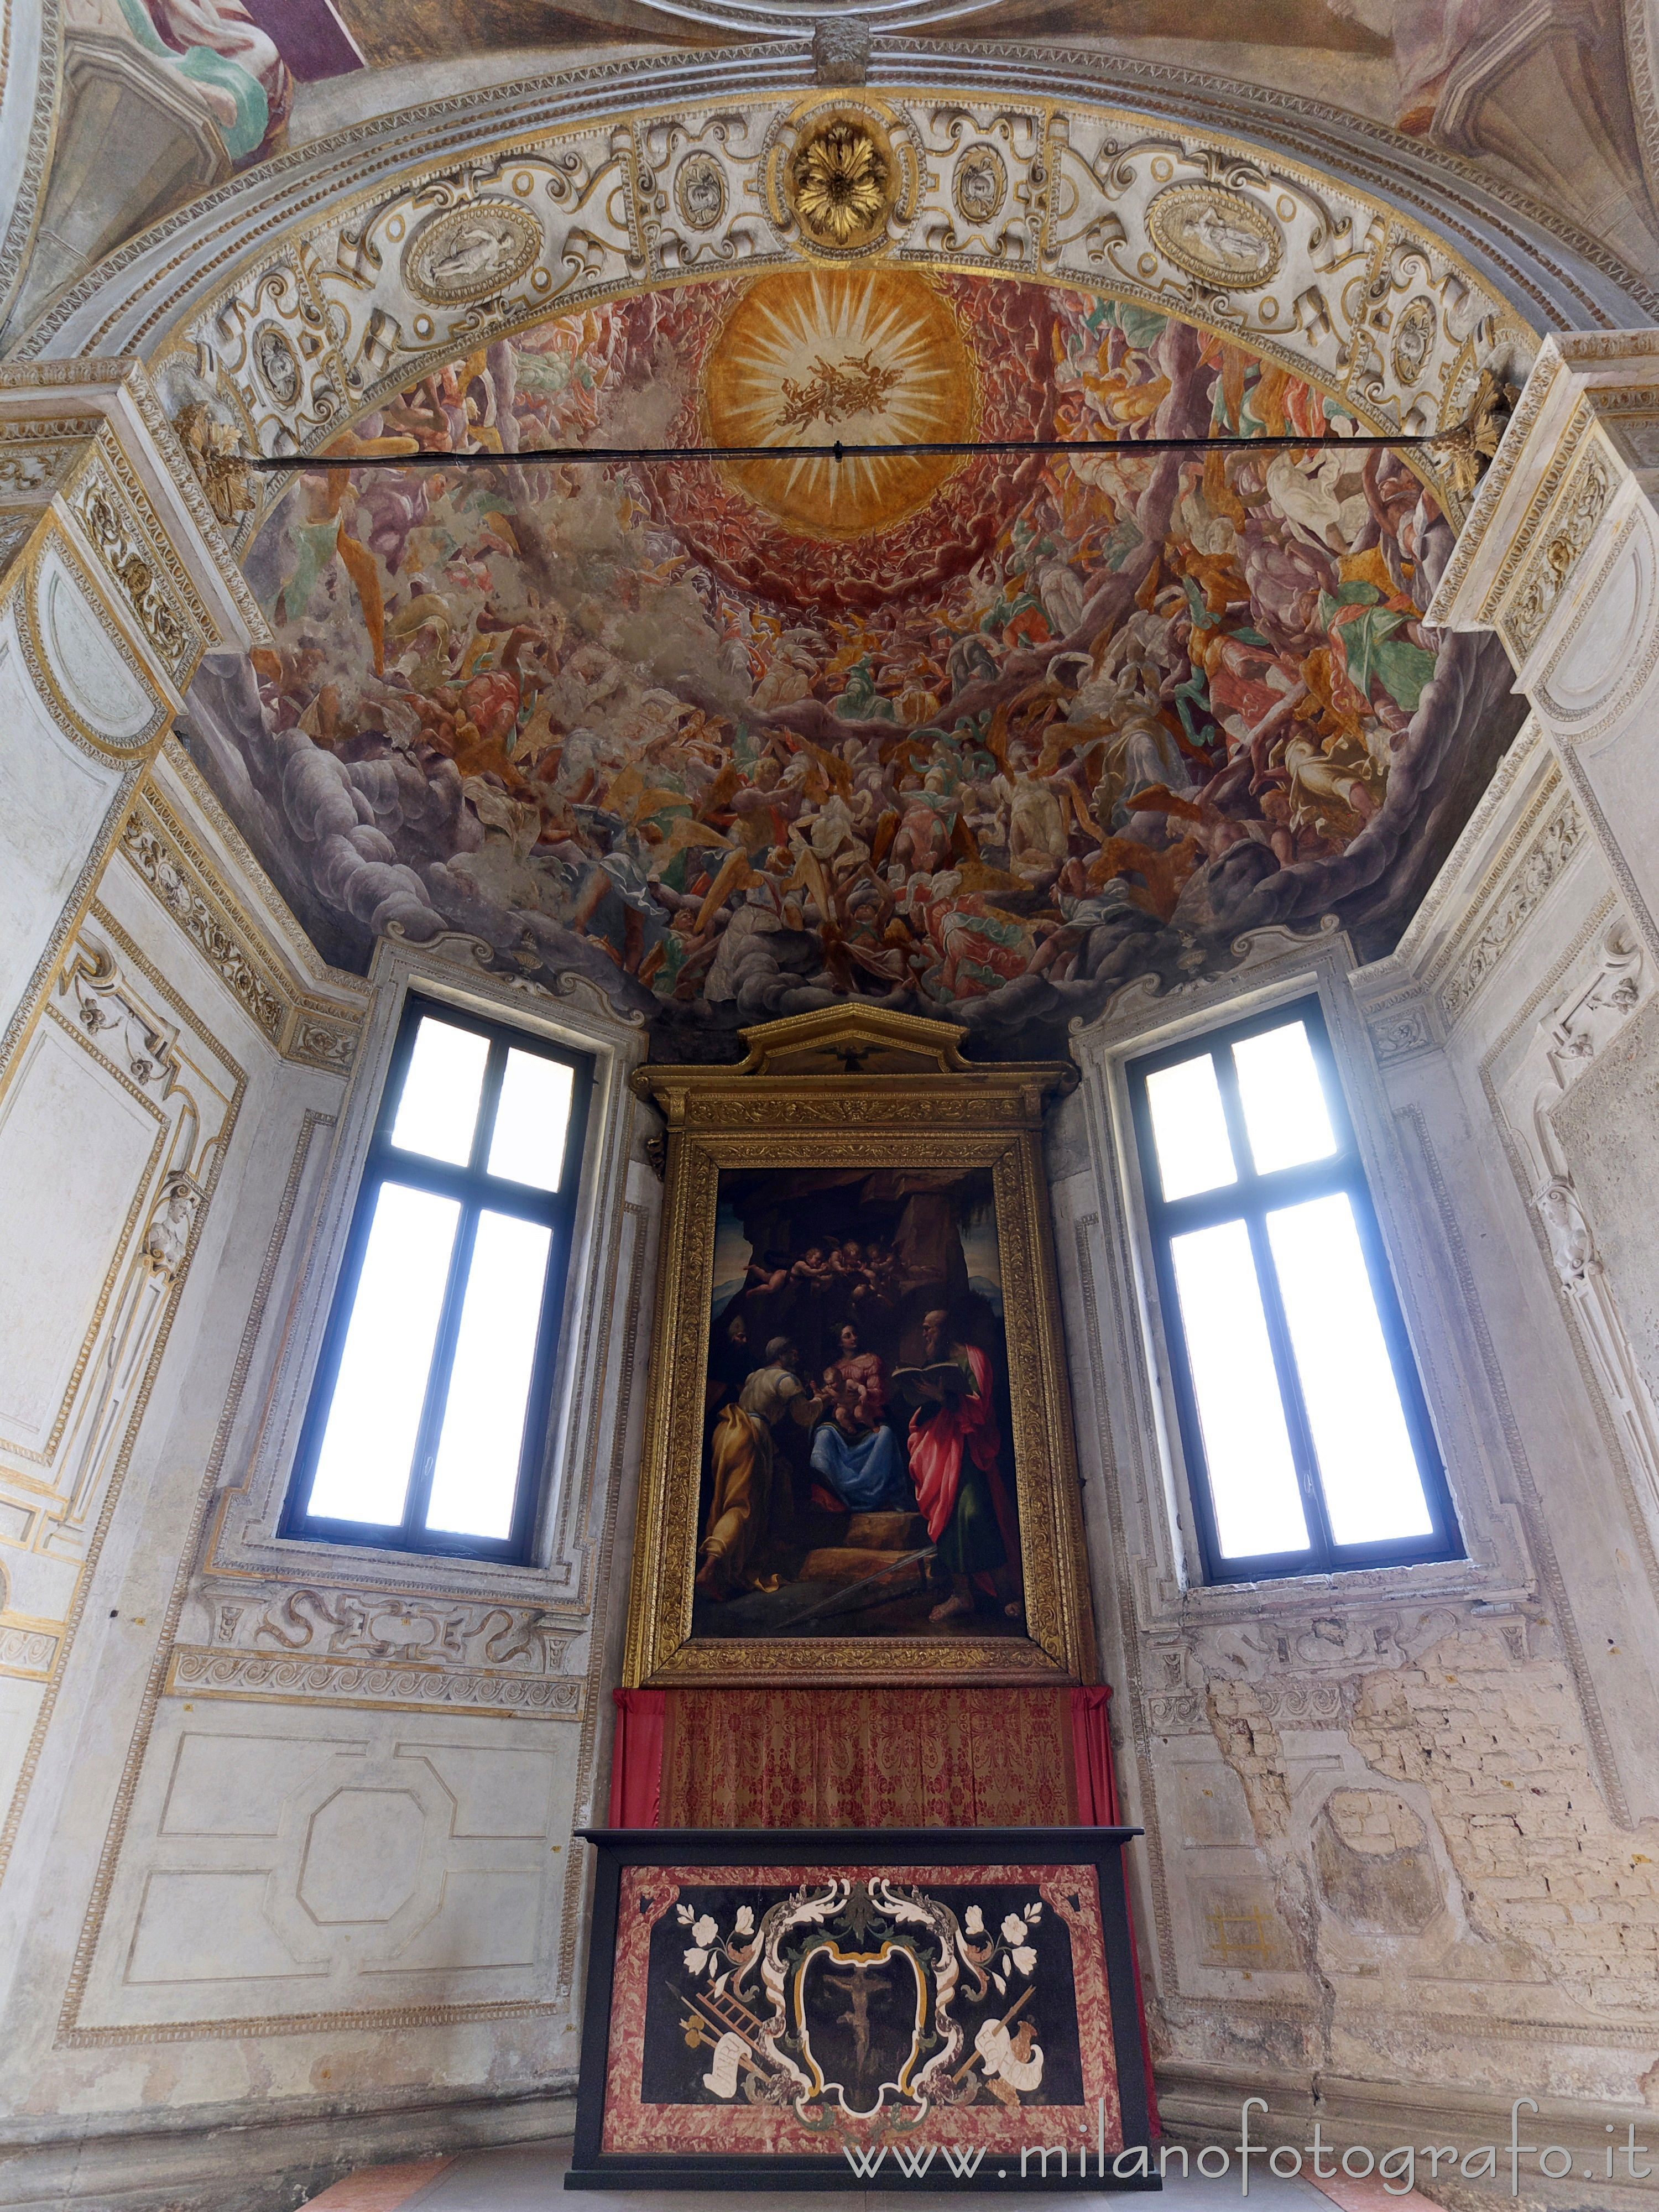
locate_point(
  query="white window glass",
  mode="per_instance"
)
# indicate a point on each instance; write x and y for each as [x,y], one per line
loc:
[439,1109]
[477,1463]
[1189,1128]
[363,1467]
[1258,1505]
[527,1143]
[1284,1105]
[1368,1470]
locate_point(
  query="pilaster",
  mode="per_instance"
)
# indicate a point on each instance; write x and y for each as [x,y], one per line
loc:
[115,580]
[1560,556]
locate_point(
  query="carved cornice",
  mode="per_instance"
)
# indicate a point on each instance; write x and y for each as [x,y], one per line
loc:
[205,1672]
[1534,859]
[847,1068]
[103,416]
[319,1032]
[1524,536]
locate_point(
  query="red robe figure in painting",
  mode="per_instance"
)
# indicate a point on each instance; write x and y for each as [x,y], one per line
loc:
[955,1462]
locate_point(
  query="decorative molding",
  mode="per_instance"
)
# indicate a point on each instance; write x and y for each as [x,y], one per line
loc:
[399,1629]
[1401,1027]
[44,46]
[201,917]
[314,1031]
[125,533]
[1610,700]
[120,424]
[1500,473]
[263,905]
[1527,251]
[1580,424]
[1582,506]
[103,1002]
[1363,298]
[51,550]
[28,1648]
[1543,856]
[196,1671]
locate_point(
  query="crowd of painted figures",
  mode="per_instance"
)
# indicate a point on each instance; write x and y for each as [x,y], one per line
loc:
[1080,719]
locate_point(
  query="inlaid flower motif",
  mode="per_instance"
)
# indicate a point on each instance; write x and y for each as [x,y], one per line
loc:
[840,183]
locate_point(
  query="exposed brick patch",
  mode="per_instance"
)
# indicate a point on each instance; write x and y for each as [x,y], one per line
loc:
[1495,1743]
[1249,1744]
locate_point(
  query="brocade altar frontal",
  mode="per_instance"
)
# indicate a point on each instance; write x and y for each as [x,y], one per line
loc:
[844,2008]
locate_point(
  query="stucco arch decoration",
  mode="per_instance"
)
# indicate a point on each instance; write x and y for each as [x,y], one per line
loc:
[304,243]
[1325,281]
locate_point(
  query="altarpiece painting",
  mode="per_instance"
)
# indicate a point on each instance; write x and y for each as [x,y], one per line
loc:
[858,1458]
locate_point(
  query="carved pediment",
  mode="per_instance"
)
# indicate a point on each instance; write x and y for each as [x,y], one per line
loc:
[846,1064]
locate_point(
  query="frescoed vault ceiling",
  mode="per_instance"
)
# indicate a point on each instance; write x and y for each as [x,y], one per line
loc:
[985,737]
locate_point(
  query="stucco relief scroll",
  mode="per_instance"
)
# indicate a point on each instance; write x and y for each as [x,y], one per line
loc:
[359,305]
[1573,1036]
[362,1647]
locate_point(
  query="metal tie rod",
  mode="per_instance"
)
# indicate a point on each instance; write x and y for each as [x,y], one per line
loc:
[609,456]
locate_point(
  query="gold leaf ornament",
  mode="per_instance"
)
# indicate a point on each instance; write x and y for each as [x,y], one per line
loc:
[841,184]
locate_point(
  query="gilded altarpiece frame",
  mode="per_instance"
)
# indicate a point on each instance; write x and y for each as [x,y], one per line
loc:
[855,1100]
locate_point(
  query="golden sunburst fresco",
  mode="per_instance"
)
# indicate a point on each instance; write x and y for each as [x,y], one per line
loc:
[808,357]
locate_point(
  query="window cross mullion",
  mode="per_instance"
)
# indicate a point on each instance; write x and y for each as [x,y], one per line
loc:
[443,1361]
[1302,1454]
[472,1191]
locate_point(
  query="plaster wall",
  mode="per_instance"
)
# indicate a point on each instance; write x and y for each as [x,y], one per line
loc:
[290,1826]
[1402,1827]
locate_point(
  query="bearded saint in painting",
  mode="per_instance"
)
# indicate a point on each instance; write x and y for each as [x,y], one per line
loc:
[955,1454]
[740,1511]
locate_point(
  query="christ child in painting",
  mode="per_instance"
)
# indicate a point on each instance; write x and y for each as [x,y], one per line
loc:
[955,1451]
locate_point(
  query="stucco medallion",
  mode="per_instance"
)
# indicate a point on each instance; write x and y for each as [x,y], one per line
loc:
[471,252]
[1217,235]
[700,192]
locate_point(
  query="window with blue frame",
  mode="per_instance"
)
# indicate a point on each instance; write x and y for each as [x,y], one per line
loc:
[1303,1420]
[428,1422]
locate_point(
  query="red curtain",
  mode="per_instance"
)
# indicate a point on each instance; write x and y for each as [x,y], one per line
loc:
[1097,1808]
[882,1756]
[636,1759]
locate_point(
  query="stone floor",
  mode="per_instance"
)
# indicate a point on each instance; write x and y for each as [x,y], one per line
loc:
[529,2178]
